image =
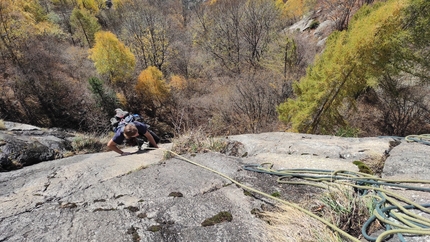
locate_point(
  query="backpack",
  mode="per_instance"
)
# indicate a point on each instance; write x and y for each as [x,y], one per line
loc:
[122,118]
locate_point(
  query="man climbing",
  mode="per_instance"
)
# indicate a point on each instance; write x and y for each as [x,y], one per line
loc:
[130,132]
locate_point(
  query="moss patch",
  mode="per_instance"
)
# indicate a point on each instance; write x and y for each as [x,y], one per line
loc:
[362,167]
[154,228]
[219,218]
[133,231]
[132,209]
[247,193]
[276,194]
[103,209]
[175,194]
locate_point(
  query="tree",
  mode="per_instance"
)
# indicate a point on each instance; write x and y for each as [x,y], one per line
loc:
[84,26]
[148,34]
[251,105]
[259,28]
[152,86]
[20,21]
[237,33]
[63,9]
[112,58]
[351,62]
[294,9]
[152,89]
[106,98]
[417,56]
[93,6]
[404,107]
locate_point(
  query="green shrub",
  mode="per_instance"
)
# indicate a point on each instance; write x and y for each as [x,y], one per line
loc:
[314,24]
[348,132]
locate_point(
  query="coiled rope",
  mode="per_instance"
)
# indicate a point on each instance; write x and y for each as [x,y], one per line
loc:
[422,138]
[386,208]
[396,223]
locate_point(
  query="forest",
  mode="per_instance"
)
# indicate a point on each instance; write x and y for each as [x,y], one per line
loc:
[357,67]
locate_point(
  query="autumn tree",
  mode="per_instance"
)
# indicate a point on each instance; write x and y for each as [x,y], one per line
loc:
[20,21]
[112,58]
[404,104]
[152,90]
[417,56]
[62,9]
[93,6]
[84,26]
[294,9]
[351,62]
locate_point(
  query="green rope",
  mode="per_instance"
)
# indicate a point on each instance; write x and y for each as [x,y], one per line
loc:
[407,221]
[422,138]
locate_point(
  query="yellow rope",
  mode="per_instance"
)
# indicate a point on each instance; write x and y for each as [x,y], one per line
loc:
[334,227]
[412,229]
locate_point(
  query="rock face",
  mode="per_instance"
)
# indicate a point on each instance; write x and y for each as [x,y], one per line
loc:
[145,197]
[24,145]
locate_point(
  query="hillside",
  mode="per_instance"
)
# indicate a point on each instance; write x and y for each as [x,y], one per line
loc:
[225,67]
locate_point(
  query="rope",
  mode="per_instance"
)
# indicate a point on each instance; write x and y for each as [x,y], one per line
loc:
[293,205]
[405,222]
[423,138]
[396,223]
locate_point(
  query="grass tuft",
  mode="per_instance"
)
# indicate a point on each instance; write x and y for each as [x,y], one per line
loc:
[89,143]
[2,125]
[197,142]
[344,207]
[286,224]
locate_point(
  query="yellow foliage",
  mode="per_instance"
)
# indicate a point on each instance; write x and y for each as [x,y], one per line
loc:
[116,3]
[178,82]
[93,6]
[294,8]
[351,62]
[151,85]
[25,16]
[20,21]
[112,57]
[122,99]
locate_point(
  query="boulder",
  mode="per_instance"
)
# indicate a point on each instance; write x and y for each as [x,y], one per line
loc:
[23,145]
